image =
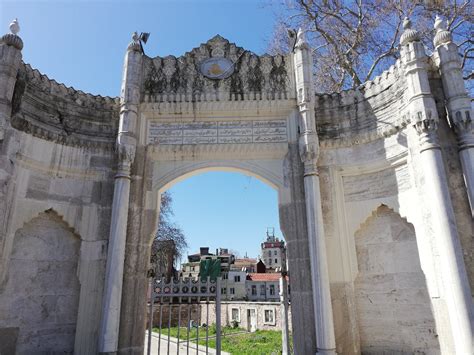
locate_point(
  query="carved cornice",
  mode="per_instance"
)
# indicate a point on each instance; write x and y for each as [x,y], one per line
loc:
[51,111]
[42,83]
[62,171]
[48,133]
[219,151]
[251,107]
[375,110]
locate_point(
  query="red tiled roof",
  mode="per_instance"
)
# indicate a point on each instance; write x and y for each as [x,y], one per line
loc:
[264,277]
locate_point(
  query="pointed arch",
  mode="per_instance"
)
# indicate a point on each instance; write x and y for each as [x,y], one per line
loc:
[54,215]
[393,306]
[42,285]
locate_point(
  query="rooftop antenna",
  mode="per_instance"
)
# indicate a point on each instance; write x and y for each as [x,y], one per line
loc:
[270,232]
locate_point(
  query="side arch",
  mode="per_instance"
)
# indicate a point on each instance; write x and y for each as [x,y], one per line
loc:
[41,292]
[393,307]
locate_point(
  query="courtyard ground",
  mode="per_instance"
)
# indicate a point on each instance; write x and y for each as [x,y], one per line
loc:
[235,341]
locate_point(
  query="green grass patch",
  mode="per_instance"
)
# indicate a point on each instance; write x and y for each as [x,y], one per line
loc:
[183,332]
[262,342]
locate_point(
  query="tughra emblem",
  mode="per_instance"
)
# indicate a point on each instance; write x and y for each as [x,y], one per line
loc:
[217,68]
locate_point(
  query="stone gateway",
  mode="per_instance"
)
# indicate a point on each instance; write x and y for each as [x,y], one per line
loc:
[375,186]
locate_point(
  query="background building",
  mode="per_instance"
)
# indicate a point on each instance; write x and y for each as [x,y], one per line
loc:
[263,287]
[192,267]
[273,252]
[244,264]
[233,285]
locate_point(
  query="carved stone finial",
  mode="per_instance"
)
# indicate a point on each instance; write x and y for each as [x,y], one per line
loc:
[301,39]
[438,25]
[134,45]
[406,23]
[442,34]
[409,34]
[12,39]
[15,27]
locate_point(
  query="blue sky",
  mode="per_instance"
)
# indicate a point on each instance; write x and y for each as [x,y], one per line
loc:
[81,43]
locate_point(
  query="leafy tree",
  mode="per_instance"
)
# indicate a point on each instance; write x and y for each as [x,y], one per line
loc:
[355,40]
[170,242]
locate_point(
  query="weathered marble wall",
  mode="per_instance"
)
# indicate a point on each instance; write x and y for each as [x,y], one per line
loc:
[393,306]
[41,295]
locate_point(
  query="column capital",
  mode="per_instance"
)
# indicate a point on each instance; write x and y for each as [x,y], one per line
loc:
[462,124]
[426,125]
[309,152]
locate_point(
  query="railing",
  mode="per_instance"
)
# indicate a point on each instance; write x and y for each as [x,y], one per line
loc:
[184,293]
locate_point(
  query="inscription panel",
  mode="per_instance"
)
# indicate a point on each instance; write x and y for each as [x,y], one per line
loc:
[222,132]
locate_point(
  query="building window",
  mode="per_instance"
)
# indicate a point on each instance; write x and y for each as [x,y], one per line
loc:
[262,290]
[270,261]
[224,290]
[237,278]
[235,315]
[270,253]
[225,276]
[272,290]
[232,291]
[254,290]
[276,261]
[275,253]
[269,316]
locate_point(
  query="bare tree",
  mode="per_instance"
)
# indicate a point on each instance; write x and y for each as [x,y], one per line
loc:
[170,242]
[354,40]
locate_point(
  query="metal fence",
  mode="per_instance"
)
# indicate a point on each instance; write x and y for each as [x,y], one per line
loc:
[181,299]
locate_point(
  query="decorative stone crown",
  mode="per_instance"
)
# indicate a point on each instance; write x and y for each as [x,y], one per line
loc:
[442,34]
[409,34]
[12,39]
[216,71]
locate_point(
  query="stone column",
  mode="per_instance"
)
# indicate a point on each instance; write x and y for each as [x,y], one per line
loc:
[458,102]
[10,59]
[309,151]
[126,147]
[285,337]
[441,220]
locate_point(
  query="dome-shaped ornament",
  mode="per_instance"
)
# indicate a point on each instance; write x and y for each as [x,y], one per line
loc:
[409,34]
[12,39]
[442,34]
